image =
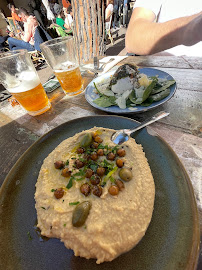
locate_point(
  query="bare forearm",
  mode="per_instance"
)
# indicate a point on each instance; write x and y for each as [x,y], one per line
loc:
[144,37]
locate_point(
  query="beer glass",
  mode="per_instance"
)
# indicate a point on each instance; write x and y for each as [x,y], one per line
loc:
[18,75]
[61,56]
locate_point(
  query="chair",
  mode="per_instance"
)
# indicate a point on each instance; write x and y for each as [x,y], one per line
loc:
[108,30]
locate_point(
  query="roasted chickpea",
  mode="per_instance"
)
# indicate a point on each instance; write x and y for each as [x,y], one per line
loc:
[66,172]
[79,164]
[111,156]
[119,163]
[85,189]
[97,191]
[59,164]
[95,179]
[98,139]
[94,156]
[59,193]
[94,145]
[89,173]
[120,184]
[113,190]
[121,152]
[100,171]
[100,152]
[94,134]
[80,150]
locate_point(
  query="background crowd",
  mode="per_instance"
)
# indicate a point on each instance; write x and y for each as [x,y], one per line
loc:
[153,23]
[44,20]
[50,19]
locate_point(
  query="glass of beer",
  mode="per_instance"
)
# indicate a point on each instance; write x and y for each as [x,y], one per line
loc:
[18,75]
[61,56]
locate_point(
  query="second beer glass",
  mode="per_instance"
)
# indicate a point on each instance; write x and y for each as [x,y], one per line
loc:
[60,54]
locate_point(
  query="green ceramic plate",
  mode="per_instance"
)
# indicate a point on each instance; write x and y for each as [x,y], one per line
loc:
[171,241]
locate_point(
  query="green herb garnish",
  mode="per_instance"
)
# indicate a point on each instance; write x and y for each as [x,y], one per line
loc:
[112,179]
[73,203]
[53,190]
[70,184]
[29,236]
[43,207]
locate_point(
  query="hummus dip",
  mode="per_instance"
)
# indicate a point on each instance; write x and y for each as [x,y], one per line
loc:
[97,197]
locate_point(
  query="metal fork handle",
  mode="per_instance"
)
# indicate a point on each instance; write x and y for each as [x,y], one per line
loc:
[153,119]
[103,65]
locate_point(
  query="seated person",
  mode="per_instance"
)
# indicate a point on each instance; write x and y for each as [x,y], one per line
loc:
[171,26]
[69,18]
[108,13]
[59,19]
[109,10]
[14,14]
[66,4]
[27,37]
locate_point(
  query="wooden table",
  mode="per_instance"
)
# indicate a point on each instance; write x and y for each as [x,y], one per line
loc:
[182,129]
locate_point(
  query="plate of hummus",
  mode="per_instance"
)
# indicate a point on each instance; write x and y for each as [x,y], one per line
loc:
[76,201]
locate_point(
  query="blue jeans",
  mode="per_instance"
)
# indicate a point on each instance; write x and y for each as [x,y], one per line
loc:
[16,44]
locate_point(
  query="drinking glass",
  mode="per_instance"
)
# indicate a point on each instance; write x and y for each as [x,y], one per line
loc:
[61,56]
[18,75]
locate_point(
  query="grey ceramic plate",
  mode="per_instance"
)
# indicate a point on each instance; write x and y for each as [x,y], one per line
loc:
[171,241]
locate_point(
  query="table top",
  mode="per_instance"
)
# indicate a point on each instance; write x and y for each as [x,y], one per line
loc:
[182,130]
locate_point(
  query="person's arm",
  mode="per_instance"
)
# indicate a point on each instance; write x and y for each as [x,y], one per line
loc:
[68,26]
[65,25]
[108,14]
[144,36]
[27,32]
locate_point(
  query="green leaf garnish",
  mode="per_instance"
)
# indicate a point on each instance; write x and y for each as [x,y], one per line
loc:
[98,90]
[94,167]
[112,179]
[114,149]
[100,146]
[53,190]
[80,173]
[29,236]
[73,203]
[43,207]
[70,184]
[105,101]
[67,163]
[146,93]
[111,173]
[166,85]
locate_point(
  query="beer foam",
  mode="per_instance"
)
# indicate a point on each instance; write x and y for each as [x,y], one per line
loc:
[66,66]
[25,81]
